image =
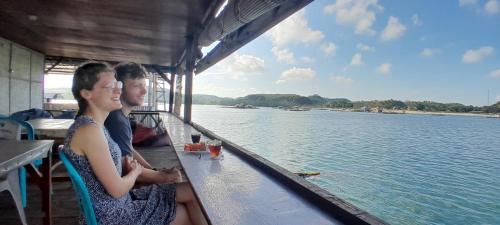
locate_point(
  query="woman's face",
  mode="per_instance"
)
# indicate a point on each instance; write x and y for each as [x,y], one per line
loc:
[106,92]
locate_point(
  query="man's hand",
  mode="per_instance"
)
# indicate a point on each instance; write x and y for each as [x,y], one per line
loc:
[172,175]
[126,164]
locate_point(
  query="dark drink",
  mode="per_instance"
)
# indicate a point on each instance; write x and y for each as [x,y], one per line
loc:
[195,138]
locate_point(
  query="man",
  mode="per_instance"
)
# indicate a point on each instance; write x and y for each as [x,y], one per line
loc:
[133,77]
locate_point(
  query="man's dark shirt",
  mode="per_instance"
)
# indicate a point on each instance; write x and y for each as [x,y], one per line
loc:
[119,128]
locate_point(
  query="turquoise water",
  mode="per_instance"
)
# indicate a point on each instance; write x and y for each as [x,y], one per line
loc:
[404,169]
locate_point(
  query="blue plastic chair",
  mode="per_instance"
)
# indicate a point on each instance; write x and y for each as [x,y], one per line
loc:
[31,114]
[22,170]
[80,189]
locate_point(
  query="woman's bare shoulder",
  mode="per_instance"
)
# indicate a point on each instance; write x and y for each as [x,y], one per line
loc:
[87,137]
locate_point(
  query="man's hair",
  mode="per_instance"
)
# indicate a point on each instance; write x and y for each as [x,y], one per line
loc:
[130,70]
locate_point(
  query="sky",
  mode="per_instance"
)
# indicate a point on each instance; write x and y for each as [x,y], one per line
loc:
[445,51]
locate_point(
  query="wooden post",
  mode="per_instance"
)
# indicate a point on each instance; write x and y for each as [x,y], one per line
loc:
[171,94]
[46,188]
[178,95]
[191,47]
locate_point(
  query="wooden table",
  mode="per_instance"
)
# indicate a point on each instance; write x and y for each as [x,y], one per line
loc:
[231,191]
[51,128]
[15,154]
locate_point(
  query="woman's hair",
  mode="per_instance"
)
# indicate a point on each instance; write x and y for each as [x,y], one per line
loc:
[86,76]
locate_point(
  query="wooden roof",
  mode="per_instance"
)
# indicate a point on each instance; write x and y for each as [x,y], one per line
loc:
[148,32]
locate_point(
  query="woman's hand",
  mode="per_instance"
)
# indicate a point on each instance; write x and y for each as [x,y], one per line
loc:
[132,166]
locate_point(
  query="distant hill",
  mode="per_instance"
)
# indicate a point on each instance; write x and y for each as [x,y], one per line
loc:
[289,100]
[274,100]
[495,108]
[212,100]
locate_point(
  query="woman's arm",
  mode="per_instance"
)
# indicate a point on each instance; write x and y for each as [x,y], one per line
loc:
[154,177]
[91,142]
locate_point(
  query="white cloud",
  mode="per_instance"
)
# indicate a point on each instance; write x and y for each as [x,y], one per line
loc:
[497,98]
[473,56]
[329,49]
[283,55]
[384,68]
[342,80]
[307,59]
[360,13]
[416,20]
[296,74]
[492,7]
[211,89]
[357,60]
[495,74]
[294,29]
[364,47]
[429,52]
[393,30]
[238,67]
[466,2]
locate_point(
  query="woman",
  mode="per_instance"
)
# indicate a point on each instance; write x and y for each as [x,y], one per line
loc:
[98,160]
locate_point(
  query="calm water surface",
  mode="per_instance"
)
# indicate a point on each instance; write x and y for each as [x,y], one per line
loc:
[405,169]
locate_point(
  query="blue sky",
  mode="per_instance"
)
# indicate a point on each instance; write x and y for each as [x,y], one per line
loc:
[446,51]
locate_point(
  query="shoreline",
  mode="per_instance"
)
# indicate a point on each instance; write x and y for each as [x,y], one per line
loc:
[413,112]
[440,113]
[450,114]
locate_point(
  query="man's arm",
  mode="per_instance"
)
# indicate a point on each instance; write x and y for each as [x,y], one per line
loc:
[141,160]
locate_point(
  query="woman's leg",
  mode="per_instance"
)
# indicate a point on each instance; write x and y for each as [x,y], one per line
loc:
[181,216]
[184,195]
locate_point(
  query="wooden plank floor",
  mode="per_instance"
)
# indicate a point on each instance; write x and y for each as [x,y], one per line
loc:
[65,209]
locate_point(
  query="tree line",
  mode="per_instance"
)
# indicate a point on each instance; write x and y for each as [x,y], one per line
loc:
[290,100]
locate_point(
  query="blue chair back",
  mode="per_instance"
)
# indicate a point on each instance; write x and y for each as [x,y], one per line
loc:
[30,114]
[29,129]
[80,189]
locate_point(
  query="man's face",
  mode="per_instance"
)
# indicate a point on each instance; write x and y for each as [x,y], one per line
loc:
[134,91]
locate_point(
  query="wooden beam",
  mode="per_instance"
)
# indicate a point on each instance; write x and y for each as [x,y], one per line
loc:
[191,47]
[171,94]
[159,69]
[249,32]
[211,11]
[162,75]
[54,65]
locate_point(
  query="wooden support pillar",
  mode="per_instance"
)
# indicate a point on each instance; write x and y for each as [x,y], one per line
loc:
[190,60]
[171,94]
[178,95]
